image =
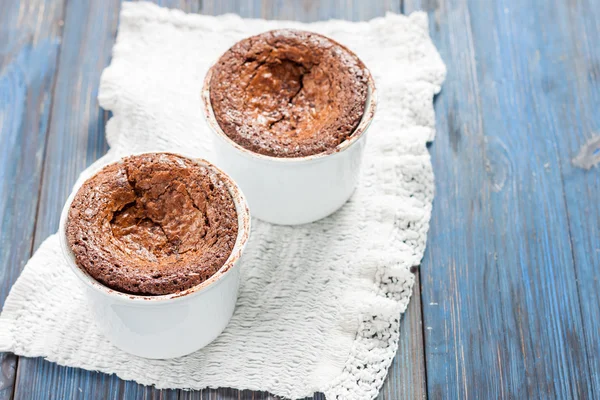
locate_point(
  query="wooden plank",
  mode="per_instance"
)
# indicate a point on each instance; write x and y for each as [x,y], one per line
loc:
[500,299]
[572,51]
[29,45]
[302,10]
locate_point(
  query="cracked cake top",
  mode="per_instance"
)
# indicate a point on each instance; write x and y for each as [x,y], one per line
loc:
[152,224]
[288,93]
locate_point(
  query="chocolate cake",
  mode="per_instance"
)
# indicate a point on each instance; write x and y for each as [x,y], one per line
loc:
[152,224]
[288,93]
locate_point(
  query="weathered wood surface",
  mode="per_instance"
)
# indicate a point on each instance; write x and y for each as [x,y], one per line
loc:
[29,46]
[52,128]
[510,279]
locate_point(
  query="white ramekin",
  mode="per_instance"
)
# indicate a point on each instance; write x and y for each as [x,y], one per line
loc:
[171,325]
[292,191]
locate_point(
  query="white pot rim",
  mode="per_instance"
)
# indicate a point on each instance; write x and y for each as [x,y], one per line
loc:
[243,235]
[367,118]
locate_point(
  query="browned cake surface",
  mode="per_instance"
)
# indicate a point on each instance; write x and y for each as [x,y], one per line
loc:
[154,224]
[288,93]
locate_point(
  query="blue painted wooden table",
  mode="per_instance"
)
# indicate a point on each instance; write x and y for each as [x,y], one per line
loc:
[507,303]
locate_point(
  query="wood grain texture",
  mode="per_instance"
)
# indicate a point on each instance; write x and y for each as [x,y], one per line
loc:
[510,280]
[576,106]
[302,10]
[503,300]
[29,45]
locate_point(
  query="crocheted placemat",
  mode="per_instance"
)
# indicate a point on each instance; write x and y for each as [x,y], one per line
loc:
[319,304]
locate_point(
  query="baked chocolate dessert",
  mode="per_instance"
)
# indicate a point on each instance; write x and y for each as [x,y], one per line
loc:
[152,224]
[288,93]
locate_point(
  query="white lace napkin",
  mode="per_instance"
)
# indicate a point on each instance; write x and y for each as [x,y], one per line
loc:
[319,304]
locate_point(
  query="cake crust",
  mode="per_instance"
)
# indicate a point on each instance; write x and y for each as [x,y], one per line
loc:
[152,224]
[288,93]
